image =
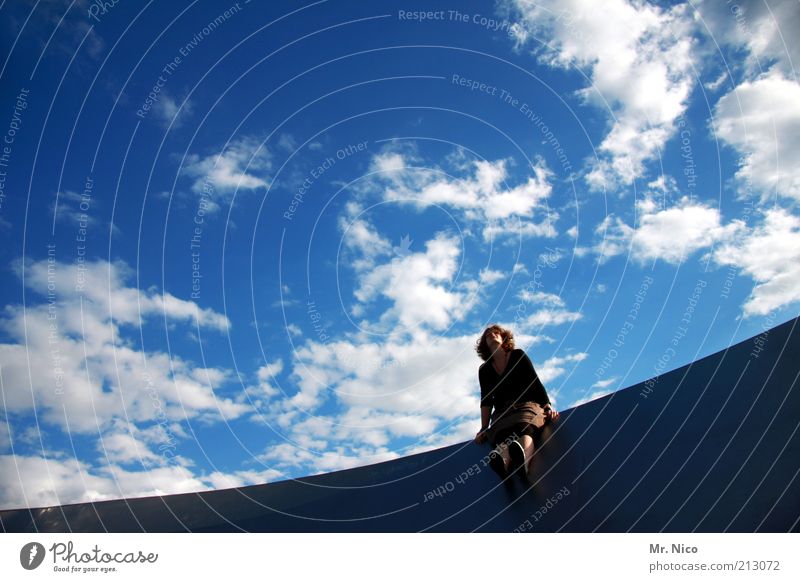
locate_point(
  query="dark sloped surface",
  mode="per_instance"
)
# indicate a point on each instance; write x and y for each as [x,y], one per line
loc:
[709,447]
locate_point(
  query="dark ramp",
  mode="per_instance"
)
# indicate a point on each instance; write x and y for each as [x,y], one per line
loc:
[709,447]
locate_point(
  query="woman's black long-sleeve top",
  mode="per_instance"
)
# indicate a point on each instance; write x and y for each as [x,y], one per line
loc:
[519,382]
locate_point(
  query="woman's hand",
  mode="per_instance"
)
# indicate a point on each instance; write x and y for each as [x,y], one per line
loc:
[481,436]
[551,413]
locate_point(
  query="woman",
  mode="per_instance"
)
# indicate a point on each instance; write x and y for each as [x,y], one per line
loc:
[513,397]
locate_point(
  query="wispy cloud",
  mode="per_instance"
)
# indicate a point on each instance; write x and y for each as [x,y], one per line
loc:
[168,112]
[35,481]
[549,310]
[589,398]
[770,254]
[671,233]
[73,358]
[761,120]
[243,164]
[641,68]
[764,32]
[482,196]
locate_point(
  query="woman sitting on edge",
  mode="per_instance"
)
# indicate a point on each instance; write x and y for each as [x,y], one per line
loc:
[511,387]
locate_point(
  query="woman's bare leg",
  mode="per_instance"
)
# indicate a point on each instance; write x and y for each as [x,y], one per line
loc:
[527,445]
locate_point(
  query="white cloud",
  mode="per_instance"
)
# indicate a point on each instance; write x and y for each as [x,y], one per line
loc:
[767,31]
[520,268]
[518,201]
[489,276]
[427,377]
[540,298]
[74,208]
[36,481]
[416,279]
[181,309]
[360,236]
[639,60]
[770,254]
[74,359]
[671,234]
[267,371]
[123,445]
[716,83]
[79,367]
[168,112]
[265,391]
[287,142]
[103,287]
[520,228]
[319,459]
[592,396]
[554,367]
[604,383]
[31,481]
[761,120]
[79,38]
[547,317]
[483,196]
[242,165]
[67,209]
[388,162]
[418,286]
[550,310]
[5,435]
[220,480]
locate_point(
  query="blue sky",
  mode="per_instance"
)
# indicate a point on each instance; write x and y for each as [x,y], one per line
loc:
[244,242]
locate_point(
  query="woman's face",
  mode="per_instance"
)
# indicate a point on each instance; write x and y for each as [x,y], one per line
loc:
[494,340]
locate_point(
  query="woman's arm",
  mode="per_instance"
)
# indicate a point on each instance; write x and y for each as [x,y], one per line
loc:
[481,436]
[485,413]
[486,407]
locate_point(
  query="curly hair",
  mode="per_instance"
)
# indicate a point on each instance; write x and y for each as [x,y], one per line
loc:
[483,348]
